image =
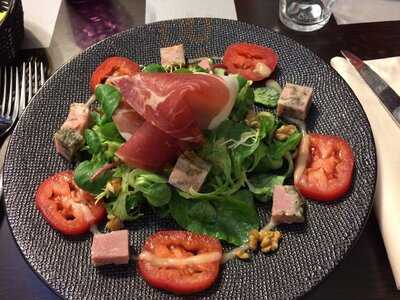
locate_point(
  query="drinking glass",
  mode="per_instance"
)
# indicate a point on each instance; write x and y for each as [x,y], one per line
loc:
[305,15]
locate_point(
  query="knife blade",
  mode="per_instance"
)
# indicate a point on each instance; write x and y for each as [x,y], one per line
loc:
[385,93]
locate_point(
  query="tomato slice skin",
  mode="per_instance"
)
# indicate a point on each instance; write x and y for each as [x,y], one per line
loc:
[113,65]
[65,206]
[329,171]
[241,58]
[180,279]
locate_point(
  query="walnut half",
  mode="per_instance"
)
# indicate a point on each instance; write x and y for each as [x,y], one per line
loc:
[283,132]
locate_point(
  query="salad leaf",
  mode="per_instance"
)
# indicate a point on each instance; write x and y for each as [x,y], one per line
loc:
[267,96]
[196,68]
[244,100]
[280,148]
[229,219]
[86,170]
[273,84]
[217,154]
[162,211]
[182,70]
[97,118]
[267,124]
[154,68]
[126,205]
[92,142]
[241,141]
[258,155]
[241,82]
[267,162]
[219,71]
[154,187]
[108,132]
[109,98]
[121,171]
[263,185]
[111,148]
[270,156]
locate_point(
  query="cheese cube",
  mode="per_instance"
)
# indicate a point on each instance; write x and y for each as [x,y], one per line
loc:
[294,101]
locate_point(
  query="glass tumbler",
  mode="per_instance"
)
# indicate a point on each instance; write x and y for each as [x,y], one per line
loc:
[305,15]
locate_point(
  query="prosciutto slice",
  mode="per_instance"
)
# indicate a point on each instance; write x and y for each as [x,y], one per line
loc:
[127,120]
[180,104]
[150,148]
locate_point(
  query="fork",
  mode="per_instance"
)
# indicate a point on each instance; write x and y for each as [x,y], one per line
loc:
[11,98]
[14,99]
[35,81]
[4,5]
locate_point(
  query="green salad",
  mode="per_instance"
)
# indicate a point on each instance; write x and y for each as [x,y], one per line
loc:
[246,156]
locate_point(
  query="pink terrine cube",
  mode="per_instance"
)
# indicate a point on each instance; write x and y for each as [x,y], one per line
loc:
[287,205]
[294,101]
[189,173]
[173,56]
[110,248]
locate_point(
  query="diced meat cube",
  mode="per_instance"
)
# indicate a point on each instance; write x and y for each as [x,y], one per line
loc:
[205,63]
[69,139]
[68,142]
[110,248]
[287,206]
[173,56]
[78,118]
[189,173]
[295,101]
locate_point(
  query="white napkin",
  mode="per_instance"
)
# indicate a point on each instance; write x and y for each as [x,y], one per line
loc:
[160,10]
[365,11]
[39,21]
[387,141]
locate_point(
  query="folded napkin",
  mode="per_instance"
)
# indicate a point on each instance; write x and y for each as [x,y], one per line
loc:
[365,11]
[39,21]
[160,10]
[387,141]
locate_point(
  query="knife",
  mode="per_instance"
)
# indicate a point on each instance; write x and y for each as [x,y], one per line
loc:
[384,92]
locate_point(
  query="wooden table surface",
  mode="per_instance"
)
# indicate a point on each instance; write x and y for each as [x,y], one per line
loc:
[365,273]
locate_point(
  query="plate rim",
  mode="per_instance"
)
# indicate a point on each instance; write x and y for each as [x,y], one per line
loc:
[304,291]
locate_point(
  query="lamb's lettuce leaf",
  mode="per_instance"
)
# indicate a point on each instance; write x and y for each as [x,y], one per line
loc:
[229,219]
[109,98]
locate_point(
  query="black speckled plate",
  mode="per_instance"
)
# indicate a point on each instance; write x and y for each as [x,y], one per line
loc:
[307,254]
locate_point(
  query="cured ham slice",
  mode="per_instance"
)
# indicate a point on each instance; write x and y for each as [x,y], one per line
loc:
[127,120]
[180,104]
[149,148]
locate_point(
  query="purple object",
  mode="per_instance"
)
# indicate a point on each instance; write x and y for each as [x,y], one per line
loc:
[94,20]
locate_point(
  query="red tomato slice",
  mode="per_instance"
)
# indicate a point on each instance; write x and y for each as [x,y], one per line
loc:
[243,58]
[329,171]
[180,279]
[65,206]
[113,66]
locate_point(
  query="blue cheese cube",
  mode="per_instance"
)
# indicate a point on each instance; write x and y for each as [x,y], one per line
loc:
[294,101]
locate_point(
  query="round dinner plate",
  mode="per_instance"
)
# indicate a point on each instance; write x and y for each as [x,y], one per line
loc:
[308,252]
